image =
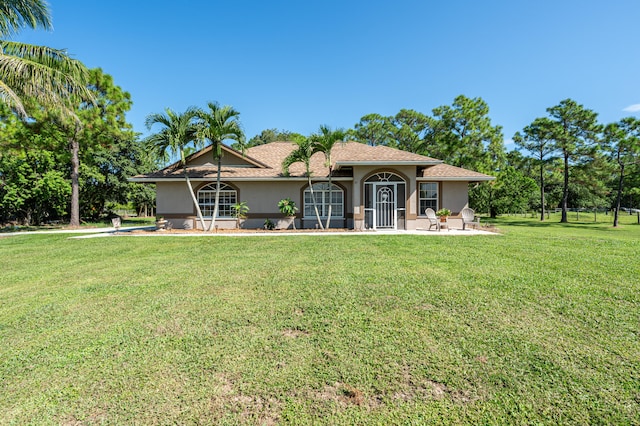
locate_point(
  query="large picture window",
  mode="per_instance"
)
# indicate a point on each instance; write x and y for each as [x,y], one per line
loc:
[321,194]
[428,197]
[207,199]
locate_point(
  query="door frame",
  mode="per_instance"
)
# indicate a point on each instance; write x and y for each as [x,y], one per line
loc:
[384,181]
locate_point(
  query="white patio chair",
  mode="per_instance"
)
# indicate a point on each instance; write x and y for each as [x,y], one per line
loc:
[433,219]
[469,218]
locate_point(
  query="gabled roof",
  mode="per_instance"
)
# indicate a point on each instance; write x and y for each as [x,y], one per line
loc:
[265,162]
[226,151]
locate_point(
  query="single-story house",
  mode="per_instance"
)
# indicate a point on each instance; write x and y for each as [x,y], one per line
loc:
[373,187]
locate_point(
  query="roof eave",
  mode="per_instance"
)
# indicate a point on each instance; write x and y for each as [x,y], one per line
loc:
[388,163]
[455,178]
[237,179]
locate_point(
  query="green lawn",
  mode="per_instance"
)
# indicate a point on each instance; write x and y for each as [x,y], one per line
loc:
[539,325]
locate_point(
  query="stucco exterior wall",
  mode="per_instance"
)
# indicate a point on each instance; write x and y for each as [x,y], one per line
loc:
[173,198]
[455,196]
[175,204]
[263,197]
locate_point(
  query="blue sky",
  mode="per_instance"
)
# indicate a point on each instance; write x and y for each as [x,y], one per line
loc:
[295,65]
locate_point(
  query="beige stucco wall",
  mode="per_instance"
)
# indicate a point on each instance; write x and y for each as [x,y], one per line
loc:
[173,198]
[263,197]
[455,196]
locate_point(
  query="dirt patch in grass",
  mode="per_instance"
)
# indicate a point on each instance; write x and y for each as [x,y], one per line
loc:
[252,409]
[294,333]
[424,388]
[344,395]
[256,410]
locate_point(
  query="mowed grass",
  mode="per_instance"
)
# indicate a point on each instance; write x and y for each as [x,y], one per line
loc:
[538,325]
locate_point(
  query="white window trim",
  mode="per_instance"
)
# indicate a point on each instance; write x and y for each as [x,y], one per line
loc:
[421,212]
[225,189]
[322,208]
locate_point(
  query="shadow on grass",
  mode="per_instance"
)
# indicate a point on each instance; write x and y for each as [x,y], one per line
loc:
[553,223]
[106,223]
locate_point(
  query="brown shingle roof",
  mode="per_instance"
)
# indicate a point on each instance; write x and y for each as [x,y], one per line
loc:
[354,152]
[445,171]
[267,160]
[349,153]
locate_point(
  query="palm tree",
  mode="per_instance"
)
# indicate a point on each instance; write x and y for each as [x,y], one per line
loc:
[178,132]
[303,154]
[323,141]
[216,125]
[49,76]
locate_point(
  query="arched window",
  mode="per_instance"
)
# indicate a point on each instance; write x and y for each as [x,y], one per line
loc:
[207,199]
[321,194]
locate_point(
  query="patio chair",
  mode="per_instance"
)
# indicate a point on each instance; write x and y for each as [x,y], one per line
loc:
[433,219]
[469,218]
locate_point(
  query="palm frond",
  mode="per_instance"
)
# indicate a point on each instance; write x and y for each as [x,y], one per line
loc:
[302,154]
[18,14]
[47,75]
[179,130]
[9,97]
[219,123]
[325,139]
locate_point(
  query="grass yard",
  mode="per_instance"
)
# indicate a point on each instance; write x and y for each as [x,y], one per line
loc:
[540,325]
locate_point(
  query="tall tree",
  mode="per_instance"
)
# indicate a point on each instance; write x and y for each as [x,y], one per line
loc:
[323,142]
[302,154]
[461,134]
[410,129]
[590,182]
[622,141]
[177,133]
[575,130]
[537,138]
[108,152]
[216,125]
[374,129]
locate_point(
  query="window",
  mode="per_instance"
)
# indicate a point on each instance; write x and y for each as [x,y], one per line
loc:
[321,194]
[428,197]
[207,199]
